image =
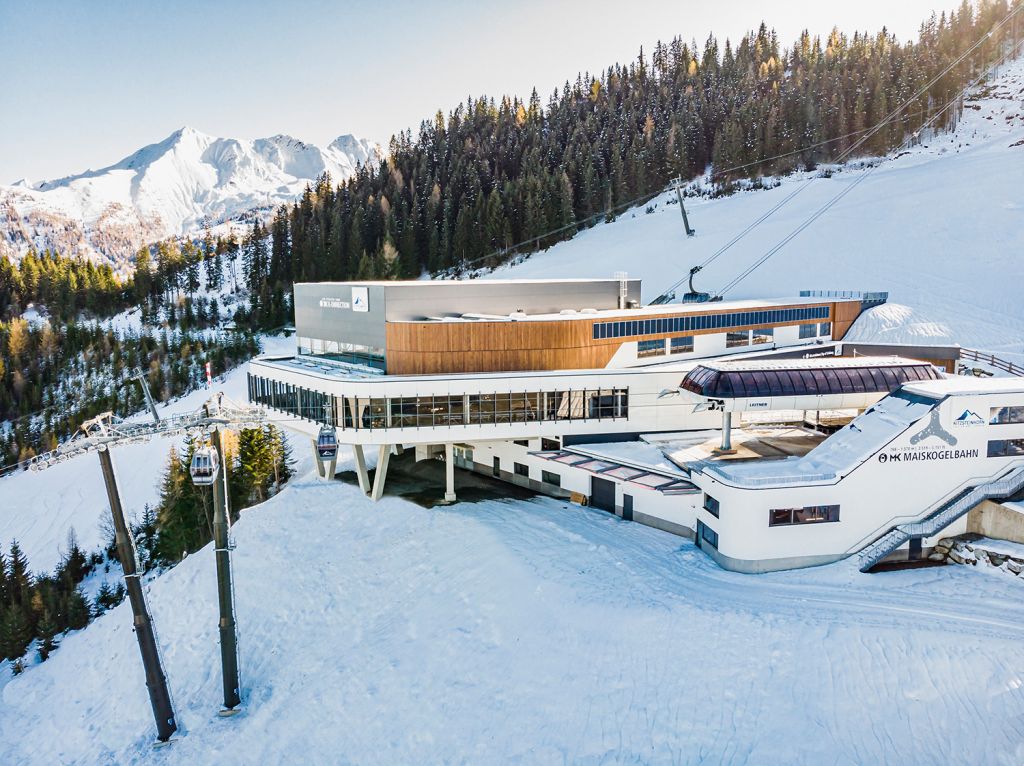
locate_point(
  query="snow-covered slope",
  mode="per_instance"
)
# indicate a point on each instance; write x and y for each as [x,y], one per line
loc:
[941,227]
[532,632]
[169,188]
[39,508]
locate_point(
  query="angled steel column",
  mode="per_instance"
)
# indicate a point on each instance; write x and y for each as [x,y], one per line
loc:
[156,682]
[225,594]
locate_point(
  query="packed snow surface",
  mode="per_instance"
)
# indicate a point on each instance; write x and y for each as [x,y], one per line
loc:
[532,632]
[940,227]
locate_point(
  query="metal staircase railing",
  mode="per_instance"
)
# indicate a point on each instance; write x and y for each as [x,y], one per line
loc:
[941,518]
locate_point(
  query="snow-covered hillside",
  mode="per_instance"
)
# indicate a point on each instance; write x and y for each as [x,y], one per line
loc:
[38,509]
[940,227]
[532,632]
[169,188]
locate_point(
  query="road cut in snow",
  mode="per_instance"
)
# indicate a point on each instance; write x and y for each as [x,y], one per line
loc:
[533,632]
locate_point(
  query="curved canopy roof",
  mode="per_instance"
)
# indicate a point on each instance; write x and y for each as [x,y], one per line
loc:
[805,377]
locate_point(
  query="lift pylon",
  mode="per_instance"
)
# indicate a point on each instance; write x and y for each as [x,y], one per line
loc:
[225,588]
[156,681]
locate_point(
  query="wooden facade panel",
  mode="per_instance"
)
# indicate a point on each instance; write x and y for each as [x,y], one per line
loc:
[564,344]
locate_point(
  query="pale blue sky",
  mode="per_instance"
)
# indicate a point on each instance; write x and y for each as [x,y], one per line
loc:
[86,83]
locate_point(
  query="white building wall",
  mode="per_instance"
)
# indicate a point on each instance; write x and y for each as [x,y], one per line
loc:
[873,497]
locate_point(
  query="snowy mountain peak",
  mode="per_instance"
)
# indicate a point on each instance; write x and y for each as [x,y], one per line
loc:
[172,187]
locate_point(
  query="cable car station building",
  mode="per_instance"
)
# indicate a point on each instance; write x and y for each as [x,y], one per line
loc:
[571,388]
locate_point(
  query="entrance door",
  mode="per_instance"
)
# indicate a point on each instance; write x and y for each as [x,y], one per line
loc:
[627,507]
[602,494]
[497,467]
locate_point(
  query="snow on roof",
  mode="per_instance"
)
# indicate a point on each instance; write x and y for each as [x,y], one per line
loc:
[837,455]
[816,363]
[965,385]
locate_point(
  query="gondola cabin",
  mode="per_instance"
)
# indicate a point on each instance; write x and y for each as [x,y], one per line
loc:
[204,466]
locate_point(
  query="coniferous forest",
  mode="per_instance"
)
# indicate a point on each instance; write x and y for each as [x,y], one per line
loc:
[497,176]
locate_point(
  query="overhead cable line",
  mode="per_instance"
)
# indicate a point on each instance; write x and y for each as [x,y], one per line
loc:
[853,147]
[821,210]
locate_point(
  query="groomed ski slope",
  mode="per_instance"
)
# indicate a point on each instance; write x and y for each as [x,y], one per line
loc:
[940,227]
[534,632]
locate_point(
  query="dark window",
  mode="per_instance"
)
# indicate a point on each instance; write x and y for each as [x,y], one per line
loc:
[551,478]
[811,514]
[550,444]
[711,506]
[521,469]
[521,442]
[709,536]
[825,328]
[1006,415]
[779,516]
[682,345]
[1006,448]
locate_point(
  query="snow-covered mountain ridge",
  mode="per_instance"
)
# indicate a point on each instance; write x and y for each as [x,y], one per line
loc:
[173,187]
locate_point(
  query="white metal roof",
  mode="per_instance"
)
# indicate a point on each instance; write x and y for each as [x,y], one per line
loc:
[814,363]
[966,385]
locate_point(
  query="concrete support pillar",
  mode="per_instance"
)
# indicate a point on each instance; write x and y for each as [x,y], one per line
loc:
[361,473]
[726,431]
[449,473]
[383,457]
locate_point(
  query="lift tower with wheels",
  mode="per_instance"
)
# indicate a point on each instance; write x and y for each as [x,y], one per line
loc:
[107,430]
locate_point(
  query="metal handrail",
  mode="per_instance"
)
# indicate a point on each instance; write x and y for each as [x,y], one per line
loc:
[941,518]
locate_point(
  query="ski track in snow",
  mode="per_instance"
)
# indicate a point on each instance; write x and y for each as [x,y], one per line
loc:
[534,632]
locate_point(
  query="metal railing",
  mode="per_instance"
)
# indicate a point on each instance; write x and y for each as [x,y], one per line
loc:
[940,519]
[864,297]
[992,360]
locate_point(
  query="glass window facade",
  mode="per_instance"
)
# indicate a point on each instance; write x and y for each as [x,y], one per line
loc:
[681,345]
[737,338]
[808,331]
[645,348]
[1006,415]
[707,381]
[1006,448]
[437,411]
[763,335]
[689,323]
[812,514]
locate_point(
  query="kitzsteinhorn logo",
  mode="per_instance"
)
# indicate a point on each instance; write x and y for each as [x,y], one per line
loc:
[969,418]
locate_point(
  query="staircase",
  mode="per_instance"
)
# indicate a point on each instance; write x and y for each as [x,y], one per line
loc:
[941,518]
